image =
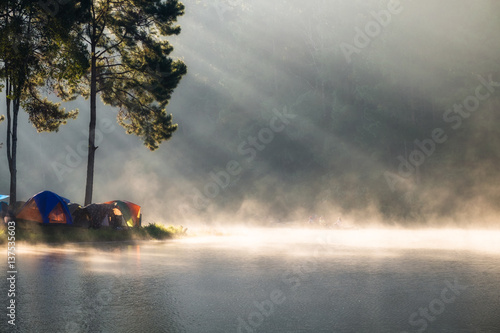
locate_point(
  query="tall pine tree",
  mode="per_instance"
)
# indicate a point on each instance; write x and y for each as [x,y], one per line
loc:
[131,69]
[34,47]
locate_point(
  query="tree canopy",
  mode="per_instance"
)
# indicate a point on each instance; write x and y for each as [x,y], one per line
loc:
[130,68]
[31,54]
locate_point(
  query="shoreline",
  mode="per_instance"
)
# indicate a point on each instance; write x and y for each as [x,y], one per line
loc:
[35,234]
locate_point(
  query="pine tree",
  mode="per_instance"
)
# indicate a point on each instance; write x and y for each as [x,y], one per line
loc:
[131,69]
[31,46]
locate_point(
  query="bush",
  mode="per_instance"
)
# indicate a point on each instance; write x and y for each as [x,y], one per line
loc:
[159,231]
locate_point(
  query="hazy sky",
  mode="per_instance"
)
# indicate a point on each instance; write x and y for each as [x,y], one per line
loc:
[230,48]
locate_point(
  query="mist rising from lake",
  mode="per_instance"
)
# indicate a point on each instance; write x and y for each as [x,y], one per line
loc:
[261,280]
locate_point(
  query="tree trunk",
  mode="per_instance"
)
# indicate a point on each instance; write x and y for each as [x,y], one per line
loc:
[13,164]
[12,142]
[90,162]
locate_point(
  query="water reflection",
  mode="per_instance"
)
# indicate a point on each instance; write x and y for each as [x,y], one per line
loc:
[265,281]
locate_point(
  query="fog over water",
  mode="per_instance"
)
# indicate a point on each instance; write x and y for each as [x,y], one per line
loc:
[381,113]
[290,109]
[264,280]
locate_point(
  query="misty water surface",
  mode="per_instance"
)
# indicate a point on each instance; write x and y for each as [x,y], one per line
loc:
[279,280]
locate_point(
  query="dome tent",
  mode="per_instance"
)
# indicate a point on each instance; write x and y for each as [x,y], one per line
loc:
[47,208]
[115,214]
[130,212]
[4,209]
[3,205]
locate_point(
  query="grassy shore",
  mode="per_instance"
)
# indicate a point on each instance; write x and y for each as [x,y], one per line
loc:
[40,234]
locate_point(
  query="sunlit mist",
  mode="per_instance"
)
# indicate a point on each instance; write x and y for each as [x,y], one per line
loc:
[358,89]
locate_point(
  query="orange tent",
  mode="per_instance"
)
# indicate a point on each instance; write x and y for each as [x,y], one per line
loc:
[131,212]
[46,207]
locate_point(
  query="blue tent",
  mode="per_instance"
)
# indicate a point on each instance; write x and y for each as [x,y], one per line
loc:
[46,207]
[4,206]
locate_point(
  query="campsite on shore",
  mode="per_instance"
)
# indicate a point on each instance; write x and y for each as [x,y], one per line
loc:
[49,218]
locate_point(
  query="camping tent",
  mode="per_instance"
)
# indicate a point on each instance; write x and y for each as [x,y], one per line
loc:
[131,213]
[116,214]
[94,215]
[4,208]
[46,207]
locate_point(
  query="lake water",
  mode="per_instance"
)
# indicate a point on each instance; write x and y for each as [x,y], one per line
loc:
[255,280]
